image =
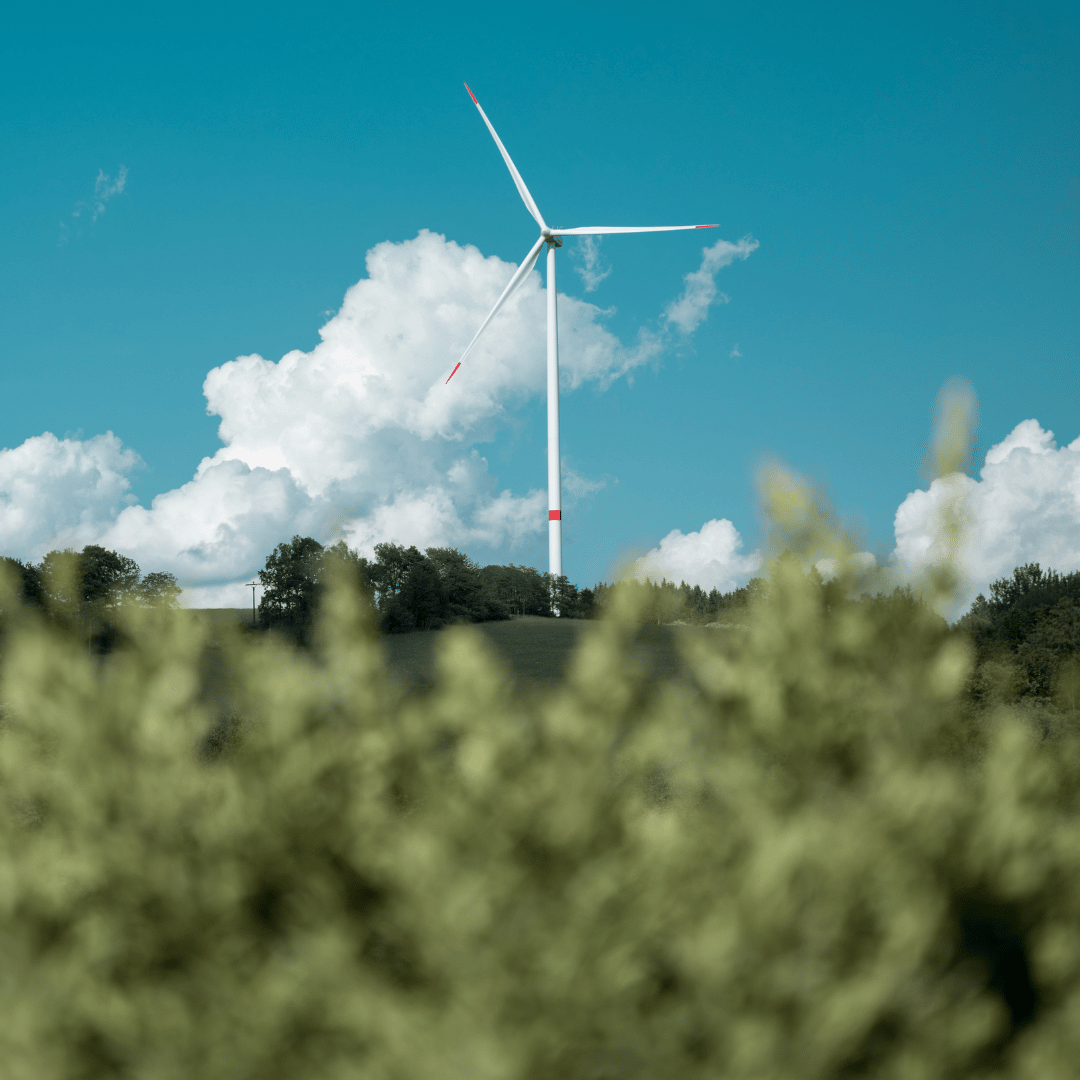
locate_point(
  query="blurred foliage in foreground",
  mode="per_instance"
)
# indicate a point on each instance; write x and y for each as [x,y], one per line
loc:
[809,859]
[82,591]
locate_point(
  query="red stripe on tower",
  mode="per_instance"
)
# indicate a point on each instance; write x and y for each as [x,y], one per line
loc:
[554,515]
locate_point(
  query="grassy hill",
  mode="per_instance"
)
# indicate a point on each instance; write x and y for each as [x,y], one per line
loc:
[536,651]
[223,617]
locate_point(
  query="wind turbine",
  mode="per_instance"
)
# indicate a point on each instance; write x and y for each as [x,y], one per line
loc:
[550,237]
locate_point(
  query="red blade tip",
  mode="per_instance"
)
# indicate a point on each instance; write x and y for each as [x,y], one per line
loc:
[471,94]
[704,226]
[453,373]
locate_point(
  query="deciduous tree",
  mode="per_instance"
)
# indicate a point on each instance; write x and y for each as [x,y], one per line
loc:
[291,584]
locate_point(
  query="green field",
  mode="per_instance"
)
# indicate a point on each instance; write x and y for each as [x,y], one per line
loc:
[534,650]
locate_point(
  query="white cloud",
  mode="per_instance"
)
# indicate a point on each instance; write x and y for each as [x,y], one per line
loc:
[105,188]
[688,312]
[710,558]
[360,435]
[218,526]
[590,270]
[577,486]
[62,492]
[735,351]
[1024,508]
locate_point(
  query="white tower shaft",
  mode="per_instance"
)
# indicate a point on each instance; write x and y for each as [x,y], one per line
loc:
[554,464]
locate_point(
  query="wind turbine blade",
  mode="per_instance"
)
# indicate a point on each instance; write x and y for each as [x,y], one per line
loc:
[600,230]
[523,191]
[520,274]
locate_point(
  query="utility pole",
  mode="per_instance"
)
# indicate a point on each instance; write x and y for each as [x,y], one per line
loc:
[254,585]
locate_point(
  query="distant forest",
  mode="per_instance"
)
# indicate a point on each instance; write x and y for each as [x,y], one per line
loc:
[408,589]
[1026,635]
[414,590]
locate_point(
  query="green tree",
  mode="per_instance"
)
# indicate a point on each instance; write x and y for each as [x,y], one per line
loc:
[535,590]
[390,569]
[85,589]
[1050,641]
[27,590]
[1024,635]
[350,567]
[292,587]
[1032,587]
[95,578]
[159,588]
[565,597]
[421,603]
[108,578]
[61,578]
[501,583]
[460,578]
[31,588]
[587,604]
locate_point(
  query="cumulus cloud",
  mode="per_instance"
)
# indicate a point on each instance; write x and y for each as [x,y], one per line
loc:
[62,492]
[710,558]
[688,312]
[217,526]
[361,431]
[589,267]
[1025,507]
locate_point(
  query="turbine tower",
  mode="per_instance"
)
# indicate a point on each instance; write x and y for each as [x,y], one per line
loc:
[550,237]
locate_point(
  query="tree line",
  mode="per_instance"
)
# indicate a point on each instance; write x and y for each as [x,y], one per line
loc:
[1026,635]
[414,590]
[409,589]
[82,590]
[1027,639]
[666,602]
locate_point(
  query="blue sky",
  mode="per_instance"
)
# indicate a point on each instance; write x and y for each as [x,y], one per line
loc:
[911,175]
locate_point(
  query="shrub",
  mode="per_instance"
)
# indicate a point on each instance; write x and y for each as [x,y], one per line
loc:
[803,860]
